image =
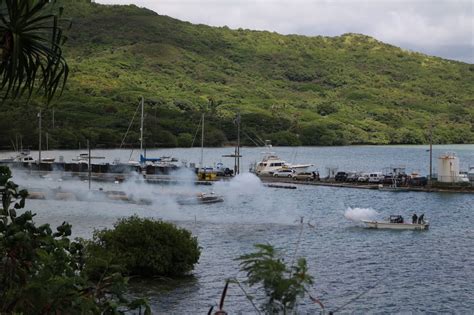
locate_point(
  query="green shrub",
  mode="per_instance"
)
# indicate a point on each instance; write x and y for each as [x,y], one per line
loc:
[185,140]
[164,139]
[327,108]
[323,134]
[42,272]
[284,138]
[5,174]
[145,247]
[214,138]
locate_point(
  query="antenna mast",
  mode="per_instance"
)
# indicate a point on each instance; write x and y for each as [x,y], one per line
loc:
[202,141]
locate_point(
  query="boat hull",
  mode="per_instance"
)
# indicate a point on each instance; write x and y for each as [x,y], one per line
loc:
[393,189]
[395,226]
[205,199]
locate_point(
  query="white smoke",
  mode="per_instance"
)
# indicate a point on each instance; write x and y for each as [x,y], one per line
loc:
[358,214]
[241,188]
[245,193]
[246,183]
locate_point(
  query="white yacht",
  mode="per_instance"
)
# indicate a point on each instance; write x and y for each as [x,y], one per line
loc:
[23,156]
[271,163]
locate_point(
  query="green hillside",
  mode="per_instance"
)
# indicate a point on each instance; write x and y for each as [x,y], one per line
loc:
[295,90]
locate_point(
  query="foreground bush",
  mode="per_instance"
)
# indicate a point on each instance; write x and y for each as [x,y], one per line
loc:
[42,272]
[283,284]
[144,247]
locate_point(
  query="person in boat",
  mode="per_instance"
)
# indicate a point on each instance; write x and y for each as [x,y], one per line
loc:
[414,218]
[421,219]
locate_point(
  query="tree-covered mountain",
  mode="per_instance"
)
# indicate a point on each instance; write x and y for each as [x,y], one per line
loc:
[350,89]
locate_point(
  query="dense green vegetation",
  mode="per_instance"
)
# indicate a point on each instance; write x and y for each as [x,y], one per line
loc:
[44,272]
[295,90]
[144,247]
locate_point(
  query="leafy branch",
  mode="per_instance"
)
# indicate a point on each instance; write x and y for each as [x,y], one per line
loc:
[282,284]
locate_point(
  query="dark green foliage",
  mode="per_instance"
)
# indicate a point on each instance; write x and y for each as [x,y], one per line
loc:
[164,138]
[145,247]
[323,133]
[31,53]
[41,271]
[327,108]
[284,138]
[283,284]
[185,140]
[5,175]
[214,138]
[349,89]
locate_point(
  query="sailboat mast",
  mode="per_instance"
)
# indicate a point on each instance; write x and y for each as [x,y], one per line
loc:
[141,129]
[202,141]
[431,154]
[39,139]
[238,143]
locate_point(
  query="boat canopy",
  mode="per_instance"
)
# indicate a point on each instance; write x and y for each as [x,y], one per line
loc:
[144,159]
[396,219]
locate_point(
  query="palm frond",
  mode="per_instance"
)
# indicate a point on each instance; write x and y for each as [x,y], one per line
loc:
[31,54]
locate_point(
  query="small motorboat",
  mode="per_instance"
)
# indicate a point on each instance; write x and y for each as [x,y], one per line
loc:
[396,222]
[201,198]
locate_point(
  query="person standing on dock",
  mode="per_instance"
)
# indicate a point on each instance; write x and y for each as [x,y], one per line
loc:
[414,218]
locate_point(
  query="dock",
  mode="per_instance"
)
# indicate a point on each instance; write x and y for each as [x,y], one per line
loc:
[332,183]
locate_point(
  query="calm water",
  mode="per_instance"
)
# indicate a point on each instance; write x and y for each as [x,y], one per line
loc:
[400,271]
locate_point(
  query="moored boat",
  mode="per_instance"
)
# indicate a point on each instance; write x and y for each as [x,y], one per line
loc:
[201,198]
[271,163]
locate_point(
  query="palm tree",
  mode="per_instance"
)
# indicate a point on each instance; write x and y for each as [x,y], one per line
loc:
[30,48]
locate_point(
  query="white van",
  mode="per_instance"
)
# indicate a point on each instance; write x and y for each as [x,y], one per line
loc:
[376,177]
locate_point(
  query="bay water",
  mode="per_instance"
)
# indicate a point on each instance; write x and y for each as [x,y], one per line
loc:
[355,270]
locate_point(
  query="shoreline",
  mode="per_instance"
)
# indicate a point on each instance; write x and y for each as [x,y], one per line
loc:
[171,180]
[268,179]
[4,151]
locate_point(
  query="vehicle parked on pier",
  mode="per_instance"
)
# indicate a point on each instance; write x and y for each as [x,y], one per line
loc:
[341,177]
[363,178]
[352,177]
[470,173]
[223,171]
[284,173]
[308,176]
[376,177]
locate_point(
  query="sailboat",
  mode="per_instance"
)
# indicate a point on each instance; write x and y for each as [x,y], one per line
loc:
[162,164]
[204,173]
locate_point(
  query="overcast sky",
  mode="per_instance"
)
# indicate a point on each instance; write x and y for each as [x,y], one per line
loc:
[443,28]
